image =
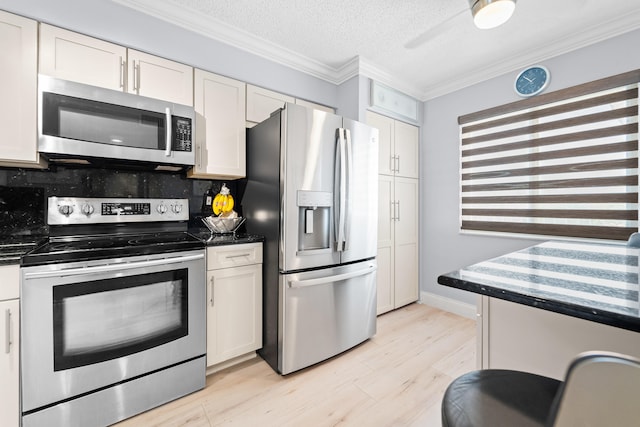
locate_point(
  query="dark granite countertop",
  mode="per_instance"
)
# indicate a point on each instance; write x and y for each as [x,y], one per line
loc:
[13,247]
[224,239]
[597,282]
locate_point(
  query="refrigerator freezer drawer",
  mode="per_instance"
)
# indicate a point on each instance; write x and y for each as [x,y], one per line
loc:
[325,312]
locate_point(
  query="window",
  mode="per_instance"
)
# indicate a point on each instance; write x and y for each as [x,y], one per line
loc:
[560,164]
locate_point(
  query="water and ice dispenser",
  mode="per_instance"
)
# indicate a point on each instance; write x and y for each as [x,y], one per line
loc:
[314,225]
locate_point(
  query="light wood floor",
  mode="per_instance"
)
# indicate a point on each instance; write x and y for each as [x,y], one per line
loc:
[397,378]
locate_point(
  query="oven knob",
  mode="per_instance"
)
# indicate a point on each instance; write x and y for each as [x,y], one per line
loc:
[87,209]
[177,208]
[161,209]
[65,210]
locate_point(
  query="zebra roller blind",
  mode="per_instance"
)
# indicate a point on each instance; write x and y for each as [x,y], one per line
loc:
[560,164]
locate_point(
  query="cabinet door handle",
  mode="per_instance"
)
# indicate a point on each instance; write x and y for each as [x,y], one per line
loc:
[398,163]
[7,326]
[398,215]
[122,72]
[136,77]
[211,299]
[392,163]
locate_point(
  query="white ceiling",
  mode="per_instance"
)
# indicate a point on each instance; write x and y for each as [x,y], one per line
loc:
[337,39]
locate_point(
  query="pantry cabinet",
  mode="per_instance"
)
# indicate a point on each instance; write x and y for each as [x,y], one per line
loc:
[220,127]
[397,275]
[10,346]
[18,86]
[234,303]
[71,56]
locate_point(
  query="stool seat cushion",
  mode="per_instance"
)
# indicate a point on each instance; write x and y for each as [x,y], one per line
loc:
[498,398]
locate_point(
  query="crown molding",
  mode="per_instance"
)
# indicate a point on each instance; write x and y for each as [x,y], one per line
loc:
[243,40]
[235,37]
[587,37]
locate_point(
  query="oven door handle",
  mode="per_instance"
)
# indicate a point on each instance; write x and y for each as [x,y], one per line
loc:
[117,266]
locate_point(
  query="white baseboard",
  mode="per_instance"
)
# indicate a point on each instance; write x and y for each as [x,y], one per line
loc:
[448,304]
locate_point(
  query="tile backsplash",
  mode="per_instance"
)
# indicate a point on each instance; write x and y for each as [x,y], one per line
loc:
[23,192]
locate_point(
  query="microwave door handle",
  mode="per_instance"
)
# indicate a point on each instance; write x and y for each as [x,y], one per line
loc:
[167,150]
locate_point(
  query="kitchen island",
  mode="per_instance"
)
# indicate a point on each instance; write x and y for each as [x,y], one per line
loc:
[542,305]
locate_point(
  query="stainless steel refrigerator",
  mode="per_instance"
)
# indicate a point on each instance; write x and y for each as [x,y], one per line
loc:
[312,191]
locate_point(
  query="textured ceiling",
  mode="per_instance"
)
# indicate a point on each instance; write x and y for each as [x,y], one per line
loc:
[329,38]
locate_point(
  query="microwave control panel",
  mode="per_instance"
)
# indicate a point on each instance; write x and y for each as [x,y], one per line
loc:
[182,134]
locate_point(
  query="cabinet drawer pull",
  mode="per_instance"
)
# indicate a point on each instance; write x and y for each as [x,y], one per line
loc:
[211,299]
[238,256]
[7,326]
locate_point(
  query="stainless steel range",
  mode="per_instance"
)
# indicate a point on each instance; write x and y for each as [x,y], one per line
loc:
[112,312]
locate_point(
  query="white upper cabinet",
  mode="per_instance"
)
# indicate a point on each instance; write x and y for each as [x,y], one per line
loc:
[262,102]
[315,106]
[76,57]
[156,77]
[220,127]
[18,86]
[406,140]
[398,146]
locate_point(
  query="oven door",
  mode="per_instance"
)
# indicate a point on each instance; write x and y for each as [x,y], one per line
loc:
[90,325]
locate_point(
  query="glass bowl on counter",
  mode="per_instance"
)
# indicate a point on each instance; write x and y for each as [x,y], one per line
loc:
[218,225]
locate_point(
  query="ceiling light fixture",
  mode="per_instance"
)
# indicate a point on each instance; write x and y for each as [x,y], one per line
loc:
[491,13]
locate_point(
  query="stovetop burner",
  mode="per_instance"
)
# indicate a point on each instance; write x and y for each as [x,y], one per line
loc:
[90,229]
[110,246]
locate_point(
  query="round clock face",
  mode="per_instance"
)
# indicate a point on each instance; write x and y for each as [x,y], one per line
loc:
[532,81]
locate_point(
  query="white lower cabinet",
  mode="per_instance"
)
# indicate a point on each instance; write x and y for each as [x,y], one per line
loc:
[9,347]
[234,303]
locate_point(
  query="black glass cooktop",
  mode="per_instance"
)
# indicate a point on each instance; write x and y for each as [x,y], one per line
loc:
[84,248]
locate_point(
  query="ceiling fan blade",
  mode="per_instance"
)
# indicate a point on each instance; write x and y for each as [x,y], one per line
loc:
[434,31]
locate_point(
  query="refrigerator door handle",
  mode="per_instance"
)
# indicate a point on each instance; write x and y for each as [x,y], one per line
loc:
[342,190]
[347,186]
[330,279]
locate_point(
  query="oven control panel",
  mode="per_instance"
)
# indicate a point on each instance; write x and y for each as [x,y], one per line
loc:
[75,210]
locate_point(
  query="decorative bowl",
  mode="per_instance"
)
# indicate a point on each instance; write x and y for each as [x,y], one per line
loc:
[222,225]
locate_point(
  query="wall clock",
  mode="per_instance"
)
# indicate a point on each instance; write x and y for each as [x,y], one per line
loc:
[531,81]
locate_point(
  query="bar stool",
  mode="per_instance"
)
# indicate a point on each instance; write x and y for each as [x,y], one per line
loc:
[600,389]
[634,240]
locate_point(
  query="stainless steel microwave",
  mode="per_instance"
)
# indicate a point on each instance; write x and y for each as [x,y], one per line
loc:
[78,121]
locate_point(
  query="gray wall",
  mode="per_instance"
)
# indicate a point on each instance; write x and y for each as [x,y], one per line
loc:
[443,247]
